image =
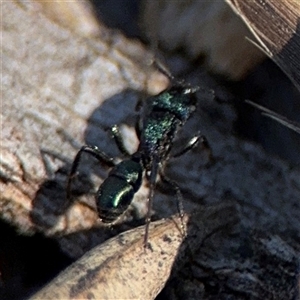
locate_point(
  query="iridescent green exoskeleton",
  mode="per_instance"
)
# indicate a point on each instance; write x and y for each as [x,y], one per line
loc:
[161,117]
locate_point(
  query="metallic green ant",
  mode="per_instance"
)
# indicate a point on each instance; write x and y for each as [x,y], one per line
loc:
[162,116]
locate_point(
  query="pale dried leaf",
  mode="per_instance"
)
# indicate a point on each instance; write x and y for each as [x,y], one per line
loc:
[122,269]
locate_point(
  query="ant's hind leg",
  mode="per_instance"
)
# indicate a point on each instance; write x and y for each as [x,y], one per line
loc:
[152,182]
[92,150]
[179,198]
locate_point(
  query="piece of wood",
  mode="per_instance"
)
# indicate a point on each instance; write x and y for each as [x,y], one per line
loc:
[53,81]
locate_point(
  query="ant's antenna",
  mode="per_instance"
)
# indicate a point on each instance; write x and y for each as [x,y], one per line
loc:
[174,81]
[161,68]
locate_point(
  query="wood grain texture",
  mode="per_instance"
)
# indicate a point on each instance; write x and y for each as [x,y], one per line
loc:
[275,24]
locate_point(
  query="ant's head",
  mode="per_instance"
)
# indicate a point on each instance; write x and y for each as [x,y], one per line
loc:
[183,88]
[177,86]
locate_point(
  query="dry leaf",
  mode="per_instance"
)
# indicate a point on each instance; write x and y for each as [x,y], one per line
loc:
[122,269]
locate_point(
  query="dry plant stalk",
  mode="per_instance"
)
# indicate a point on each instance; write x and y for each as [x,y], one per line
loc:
[122,269]
[275,24]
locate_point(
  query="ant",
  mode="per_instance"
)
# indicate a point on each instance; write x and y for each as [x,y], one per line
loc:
[162,116]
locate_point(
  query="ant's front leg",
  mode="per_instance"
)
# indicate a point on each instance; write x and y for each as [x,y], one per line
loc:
[94,151]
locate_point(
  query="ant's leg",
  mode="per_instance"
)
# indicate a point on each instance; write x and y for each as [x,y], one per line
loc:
[138,128]
[92,150]
[179,198]
[138,123]
[139,104]
[193,142]
[152,182]
[119,140]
